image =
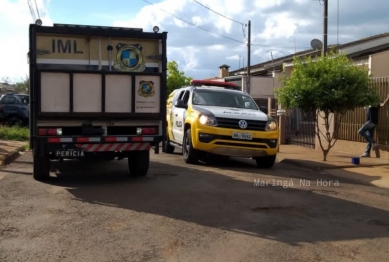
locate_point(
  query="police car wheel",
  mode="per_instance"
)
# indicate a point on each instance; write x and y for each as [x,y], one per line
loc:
[169,149]
[188,152]
[265,161]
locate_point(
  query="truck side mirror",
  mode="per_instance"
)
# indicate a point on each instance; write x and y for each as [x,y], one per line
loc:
[263,109]
[180,104]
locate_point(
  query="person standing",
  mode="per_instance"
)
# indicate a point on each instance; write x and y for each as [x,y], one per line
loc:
[367,129]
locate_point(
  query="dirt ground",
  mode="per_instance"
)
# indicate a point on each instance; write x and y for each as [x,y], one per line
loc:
[230,211]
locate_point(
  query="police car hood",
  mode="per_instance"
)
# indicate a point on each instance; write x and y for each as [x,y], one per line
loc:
[230,112]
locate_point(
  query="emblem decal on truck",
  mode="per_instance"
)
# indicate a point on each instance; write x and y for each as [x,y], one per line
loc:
[146,88]
[129,58]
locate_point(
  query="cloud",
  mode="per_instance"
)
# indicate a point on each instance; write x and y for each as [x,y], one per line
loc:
[202,35]
[15,17]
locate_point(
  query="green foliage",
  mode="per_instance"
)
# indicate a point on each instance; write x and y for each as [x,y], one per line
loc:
[175,78]
[330,83]
[23,86]
[14,133]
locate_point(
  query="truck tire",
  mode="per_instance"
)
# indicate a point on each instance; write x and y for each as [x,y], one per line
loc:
[265,161]
[169,149]
[188,152]
[138,163]
[41,167]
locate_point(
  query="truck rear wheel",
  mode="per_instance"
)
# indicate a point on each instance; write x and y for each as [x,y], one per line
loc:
[138,163]
[265,161]
[41,167]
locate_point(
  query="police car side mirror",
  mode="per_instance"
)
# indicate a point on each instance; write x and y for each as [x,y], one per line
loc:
[180,104]
[263,109]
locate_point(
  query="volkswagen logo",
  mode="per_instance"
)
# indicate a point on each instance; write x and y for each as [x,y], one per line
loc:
[242,124]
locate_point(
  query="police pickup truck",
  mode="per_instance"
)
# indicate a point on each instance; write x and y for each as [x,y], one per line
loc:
[219,120]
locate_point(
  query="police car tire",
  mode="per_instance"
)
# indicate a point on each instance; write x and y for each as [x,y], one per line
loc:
[190,155]
[138,163]
[41,167]
[169,149]
[265,161]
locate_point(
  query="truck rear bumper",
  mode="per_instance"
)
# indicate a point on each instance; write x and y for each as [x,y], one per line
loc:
[77,147]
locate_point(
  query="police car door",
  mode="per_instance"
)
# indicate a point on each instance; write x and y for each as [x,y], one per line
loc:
[179,118]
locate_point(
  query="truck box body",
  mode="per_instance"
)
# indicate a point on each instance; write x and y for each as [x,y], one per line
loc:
[96,91]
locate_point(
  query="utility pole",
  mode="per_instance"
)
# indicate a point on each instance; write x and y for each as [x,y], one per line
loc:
[325,27]
[248,58]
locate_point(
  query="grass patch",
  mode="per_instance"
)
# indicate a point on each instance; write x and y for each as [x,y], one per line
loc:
[14,133]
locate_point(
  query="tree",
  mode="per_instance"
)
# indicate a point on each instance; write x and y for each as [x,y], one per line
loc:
[326,85]
[23,86]
[175,78]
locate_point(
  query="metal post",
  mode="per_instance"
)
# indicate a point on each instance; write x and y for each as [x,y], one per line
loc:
[248,57]
[325,27]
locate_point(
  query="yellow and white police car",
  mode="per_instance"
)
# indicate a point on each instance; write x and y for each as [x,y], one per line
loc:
[218,120]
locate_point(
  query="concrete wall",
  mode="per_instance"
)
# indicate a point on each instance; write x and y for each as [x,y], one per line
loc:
[262,87]
[379,64]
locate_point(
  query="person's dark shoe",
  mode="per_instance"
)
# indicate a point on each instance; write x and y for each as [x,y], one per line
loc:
[365,155]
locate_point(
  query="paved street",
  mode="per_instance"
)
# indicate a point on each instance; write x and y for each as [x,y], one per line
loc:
[229,211]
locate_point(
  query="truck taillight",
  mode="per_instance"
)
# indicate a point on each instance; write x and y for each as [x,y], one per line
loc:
[147,131]
[50,131]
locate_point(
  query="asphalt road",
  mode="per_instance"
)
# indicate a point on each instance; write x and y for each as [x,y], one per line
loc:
[229,211]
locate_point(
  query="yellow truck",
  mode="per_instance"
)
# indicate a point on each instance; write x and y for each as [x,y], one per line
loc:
[213,119]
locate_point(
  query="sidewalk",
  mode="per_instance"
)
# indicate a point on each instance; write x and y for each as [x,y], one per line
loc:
[312,158]
[9,150]
[371,171]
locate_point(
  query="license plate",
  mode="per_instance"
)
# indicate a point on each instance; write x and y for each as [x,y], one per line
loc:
[69,153]
[245,136]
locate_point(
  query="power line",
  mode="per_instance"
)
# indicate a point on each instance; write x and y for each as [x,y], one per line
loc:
[37,10]
[202,28]
[209,31]
[244,35]
[218,13]
[291,47]
[31,10]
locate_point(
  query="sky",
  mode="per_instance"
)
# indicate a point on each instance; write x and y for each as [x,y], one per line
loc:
[202,35]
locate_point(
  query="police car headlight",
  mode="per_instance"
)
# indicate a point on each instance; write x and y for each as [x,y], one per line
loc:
[271,125]
[207,120]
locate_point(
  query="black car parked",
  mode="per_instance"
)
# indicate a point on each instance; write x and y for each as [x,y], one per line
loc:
[14,109]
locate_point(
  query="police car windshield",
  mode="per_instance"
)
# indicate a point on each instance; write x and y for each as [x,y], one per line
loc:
[223,99]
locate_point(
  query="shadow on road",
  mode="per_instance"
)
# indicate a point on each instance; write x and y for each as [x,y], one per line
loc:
[287,214]
[306,167]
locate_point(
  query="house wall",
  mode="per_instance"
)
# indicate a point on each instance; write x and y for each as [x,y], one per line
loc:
[262,87]
[379,64]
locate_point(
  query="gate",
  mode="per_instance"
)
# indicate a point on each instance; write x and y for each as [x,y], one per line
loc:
[300,128]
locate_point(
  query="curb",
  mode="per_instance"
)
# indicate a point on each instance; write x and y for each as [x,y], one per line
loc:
[321,166]
[9,158]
